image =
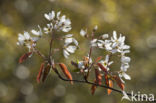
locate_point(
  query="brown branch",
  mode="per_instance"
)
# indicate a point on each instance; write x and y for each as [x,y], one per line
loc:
[40,54]
[50,49]
[91,83]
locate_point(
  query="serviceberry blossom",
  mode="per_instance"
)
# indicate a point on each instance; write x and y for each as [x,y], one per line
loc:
[27,40]
[111,45]
[57,22]
[106,63]
[84,64]
[70,45]
[48,29]
[83,32]
[37,33]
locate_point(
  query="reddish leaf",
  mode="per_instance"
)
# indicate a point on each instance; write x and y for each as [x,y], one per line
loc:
[98,77]
[98,59]
[24,57]
[40,72]
[119,82]
[46,72]
[110,85]
[106,80]
[102,67]
[86,61]
[66,72]
[93,88]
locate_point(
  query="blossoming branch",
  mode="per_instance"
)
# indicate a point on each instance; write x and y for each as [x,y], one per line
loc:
[104,75]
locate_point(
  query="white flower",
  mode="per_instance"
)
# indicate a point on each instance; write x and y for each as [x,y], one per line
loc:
[37,33]
[106,63]
[26,40]
[66,25]
[82,64]
[50,16]
[68,45]
[108,45]
[69,39]
[125,59]
[93,42]
[95,27]
[123,74]
[60,23]
[83,32]
[23,38]
[104,36]
[49,28]
[124,66]
[68,50]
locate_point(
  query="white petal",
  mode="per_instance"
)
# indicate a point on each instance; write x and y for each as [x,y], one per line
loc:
[26,35]
[66,29]
[71,49]
[35,32]
[46,16]
[52,15]
[75,42]
[95,27]
[65,53]
[69,35]
[58,15]
[107,58]
[83,32]
[124,66]
[68,41]
[114,35]
[110,63]
[126,76]
[67,22]
[104,36]
[125,59]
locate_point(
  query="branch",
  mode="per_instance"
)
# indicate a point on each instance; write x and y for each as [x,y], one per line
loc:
[91,83]
[40,54]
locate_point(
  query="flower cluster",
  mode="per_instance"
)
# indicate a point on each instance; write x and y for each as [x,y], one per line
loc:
[29,41]
[56,23]
[114,45]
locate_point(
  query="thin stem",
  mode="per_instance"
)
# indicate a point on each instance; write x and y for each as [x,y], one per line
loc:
[40,54]
[50,49]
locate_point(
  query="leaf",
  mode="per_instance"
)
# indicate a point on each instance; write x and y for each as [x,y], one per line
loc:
[93,88]
[40,72]
[119,82]
[86,61]
[46,72]
[102,67]
[110,85]
[106,80]
[66,72]
[24,57]
[98,77]
[98,59]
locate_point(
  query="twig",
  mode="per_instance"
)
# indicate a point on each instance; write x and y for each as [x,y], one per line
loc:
[91,83]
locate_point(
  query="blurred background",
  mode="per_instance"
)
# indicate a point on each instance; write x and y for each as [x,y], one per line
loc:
[135,19]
